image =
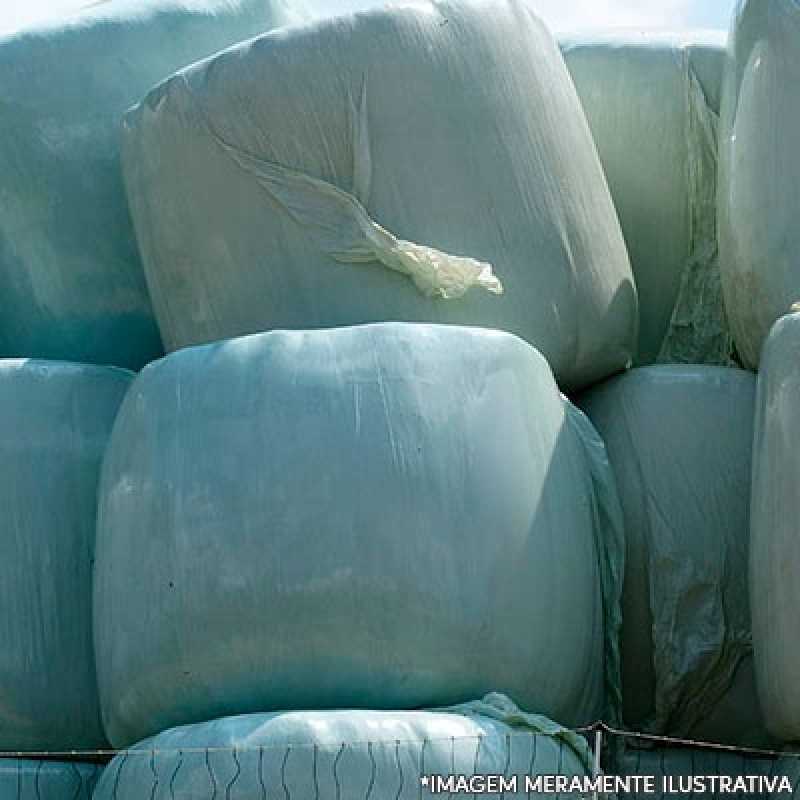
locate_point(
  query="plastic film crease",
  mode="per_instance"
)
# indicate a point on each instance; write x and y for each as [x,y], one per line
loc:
[341,227]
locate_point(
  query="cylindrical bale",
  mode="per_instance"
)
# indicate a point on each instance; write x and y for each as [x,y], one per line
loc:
[386,516]
[290,182]
[679,439]
[55,421]
[354,754]
[71,280]
[775,545]
[758,202]
[648,98]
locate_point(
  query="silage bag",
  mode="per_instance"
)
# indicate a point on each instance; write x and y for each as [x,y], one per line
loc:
[774,546]
[379,755]
[71,281]
[679,439]
[24,779]
[386,516]
[423,164]
[55,420]
[650,102]
[759,171]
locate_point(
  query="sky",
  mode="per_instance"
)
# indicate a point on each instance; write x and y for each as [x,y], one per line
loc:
[560,15]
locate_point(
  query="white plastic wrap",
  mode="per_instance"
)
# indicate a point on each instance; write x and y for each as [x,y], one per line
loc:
[759,204]
[775,545]
[71,280]
[385,516]
[380,755]
[650,102]
[679,439]
[55,420]
[273,185]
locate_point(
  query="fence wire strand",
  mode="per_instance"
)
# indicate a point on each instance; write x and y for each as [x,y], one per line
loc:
[387,770]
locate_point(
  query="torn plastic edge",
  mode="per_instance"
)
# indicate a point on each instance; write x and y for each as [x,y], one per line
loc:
[327,213]
[684,340]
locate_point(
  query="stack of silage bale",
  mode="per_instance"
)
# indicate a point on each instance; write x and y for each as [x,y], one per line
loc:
[369,516]
[759,241]
[697,555]
[71,288]
[360,507]
[760,252]
[652,103]
[679,437]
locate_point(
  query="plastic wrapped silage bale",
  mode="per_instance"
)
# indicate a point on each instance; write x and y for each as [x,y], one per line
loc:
[398,164]
[354,754]
[651,100]
[24,779]
[759,171]
[71,281]
[55,420]
[385,516]
[679,439]
[774,547]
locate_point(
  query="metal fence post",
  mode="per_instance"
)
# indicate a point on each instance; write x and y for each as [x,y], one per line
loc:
[598,746]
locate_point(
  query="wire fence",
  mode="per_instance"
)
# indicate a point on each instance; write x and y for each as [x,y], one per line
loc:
[400,770]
